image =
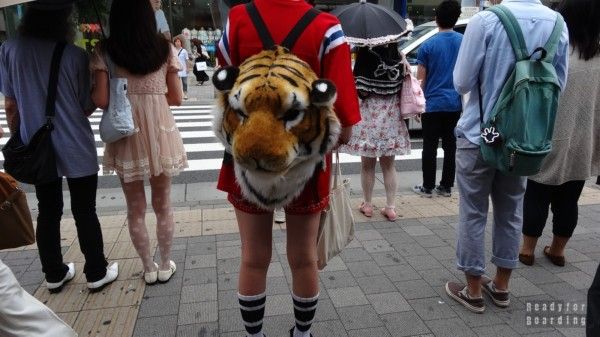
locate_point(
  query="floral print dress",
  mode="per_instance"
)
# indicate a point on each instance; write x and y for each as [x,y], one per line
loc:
[382,132]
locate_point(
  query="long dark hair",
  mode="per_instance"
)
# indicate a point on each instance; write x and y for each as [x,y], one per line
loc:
[54,25]
[583,20]
[134,42]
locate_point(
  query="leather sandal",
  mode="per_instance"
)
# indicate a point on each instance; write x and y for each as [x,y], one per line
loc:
[555,259]
[390,213]
[366,209]
[527,259]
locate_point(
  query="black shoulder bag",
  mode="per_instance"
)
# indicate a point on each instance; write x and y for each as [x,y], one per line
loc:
[35,163]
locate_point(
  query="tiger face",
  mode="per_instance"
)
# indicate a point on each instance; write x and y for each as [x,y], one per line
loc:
[276,118]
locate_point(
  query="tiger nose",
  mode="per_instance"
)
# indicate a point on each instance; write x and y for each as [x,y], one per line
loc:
[259,144]
[262,162]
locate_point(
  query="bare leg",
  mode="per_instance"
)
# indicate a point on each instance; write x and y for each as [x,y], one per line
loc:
[558,245]
[474,285]
[256,235]
[502,278]
[367,177]
[529,243]
[389,179]
[302,231]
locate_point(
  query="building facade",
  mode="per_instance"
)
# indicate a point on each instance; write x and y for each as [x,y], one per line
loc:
[203,19]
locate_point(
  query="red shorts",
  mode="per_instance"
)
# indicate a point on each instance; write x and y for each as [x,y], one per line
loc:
[313,199]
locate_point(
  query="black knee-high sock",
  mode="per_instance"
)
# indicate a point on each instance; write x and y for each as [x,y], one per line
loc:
[304,312]
[253,311]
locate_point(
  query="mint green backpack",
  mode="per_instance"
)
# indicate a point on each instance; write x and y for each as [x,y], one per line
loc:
[518,135]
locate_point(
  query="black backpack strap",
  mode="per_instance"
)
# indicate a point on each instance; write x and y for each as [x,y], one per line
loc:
[260,26]
[293,36]
[53,81]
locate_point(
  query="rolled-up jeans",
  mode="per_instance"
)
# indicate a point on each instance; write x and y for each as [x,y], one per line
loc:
[21,315]
[477,182]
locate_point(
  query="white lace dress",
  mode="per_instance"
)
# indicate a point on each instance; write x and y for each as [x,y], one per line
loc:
[157,148]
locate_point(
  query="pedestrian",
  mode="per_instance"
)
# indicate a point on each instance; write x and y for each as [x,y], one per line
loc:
[485,56]
[381,133]
[574,157]
[183,57]
[201,55]
[161,20]
[46,25]
[436,59]
[22,315]
[328,54]
[150,65]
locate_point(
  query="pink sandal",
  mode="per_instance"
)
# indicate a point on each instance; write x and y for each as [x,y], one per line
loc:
[366,209]
[390,213]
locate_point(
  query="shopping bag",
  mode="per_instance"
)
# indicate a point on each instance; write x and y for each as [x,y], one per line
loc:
[412,99]
[16,227]
[336,229]
[201,66]
[117,120]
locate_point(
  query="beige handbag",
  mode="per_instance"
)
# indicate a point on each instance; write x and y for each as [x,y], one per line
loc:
[16,227]
[337,221]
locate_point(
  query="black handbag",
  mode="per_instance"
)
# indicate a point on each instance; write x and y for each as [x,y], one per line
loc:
[35,163]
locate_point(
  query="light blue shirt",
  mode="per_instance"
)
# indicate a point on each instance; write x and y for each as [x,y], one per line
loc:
[486,55]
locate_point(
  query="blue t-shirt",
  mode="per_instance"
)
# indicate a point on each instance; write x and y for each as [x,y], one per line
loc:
[25,69]
[438,55]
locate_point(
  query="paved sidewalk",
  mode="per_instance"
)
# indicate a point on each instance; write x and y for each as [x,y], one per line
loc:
[388,282]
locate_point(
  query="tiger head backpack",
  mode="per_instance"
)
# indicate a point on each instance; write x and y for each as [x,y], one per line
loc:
[275,118]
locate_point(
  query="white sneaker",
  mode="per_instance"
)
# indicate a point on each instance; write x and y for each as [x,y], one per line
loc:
[279,215]
[56,287]
[111,274]
[165,275]
[151,276]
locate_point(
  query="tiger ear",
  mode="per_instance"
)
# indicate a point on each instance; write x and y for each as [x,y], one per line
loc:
[224,78]
[323,93]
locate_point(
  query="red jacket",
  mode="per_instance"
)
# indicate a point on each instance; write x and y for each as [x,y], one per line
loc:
[322,45]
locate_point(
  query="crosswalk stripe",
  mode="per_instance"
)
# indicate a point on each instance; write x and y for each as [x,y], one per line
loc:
[184,135]
[179,125]
[174,108]
[177,118]
[98,113]
[215,164]
[193,122]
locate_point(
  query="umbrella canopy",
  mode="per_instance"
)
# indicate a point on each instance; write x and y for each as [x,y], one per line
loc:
[367,24]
